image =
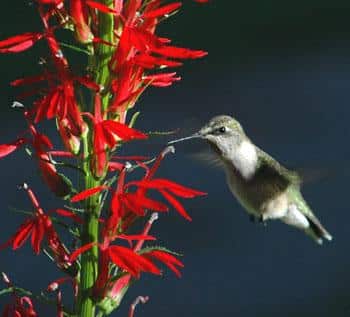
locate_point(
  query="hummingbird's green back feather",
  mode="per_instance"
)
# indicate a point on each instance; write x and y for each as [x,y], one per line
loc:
[265,159]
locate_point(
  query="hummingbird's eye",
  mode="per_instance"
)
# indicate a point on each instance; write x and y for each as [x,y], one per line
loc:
[222,130]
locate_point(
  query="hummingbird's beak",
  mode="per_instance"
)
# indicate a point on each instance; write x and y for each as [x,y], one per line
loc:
[193,136]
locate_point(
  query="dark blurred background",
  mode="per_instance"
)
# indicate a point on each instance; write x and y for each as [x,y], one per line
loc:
[282,68]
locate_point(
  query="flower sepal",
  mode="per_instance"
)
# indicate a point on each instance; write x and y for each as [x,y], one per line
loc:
[115,294]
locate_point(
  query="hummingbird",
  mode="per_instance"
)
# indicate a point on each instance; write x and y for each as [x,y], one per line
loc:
[266,189]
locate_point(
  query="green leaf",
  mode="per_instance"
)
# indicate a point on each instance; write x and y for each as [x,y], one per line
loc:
[158,248]
[75,48]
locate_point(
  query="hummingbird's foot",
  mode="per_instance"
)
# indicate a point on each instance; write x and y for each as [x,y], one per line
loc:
[252,219]
[262,220]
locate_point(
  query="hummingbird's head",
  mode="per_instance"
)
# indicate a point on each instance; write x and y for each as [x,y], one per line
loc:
[223,132]
[220,127]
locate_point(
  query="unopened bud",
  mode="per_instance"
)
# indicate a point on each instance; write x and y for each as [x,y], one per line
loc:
[5,278]
[17,104]
[52,287]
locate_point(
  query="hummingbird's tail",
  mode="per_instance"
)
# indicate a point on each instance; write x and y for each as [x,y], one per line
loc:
[301,216]
[316,230]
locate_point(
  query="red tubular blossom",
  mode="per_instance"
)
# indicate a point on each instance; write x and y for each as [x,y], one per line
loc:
[20,307]
[60,102]
[70,141]
[39,226]
[168,189]
[118,288]
[107,133]
[57,183]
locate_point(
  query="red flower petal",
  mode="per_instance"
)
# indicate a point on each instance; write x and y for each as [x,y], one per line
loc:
[149,61]
[131,237]
[131,261]
[176,204]
[179,52]
[122,130]
[87,193]
[55,2]
[74,255]
[28,80]
[6,149]
[168,259]
[100,7]
[89,83]
[69,214]
[22,234]
[57,183]
[115,166]
[138,203]
[175,188]
[19,43]
[162,80]
[38,234]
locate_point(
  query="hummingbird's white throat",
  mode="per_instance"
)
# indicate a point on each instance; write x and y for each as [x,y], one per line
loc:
[245,159]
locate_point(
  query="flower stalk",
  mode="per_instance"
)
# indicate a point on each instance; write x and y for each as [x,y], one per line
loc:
[90,231]
[125,58]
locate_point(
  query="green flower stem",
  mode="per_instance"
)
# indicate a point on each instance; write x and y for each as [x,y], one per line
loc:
[99,63]
[90,233]
[104,52]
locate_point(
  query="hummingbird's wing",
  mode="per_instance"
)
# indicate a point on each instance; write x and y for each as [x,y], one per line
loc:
[265,159]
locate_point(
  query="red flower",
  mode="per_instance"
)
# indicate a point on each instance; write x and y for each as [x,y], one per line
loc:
[57,183]
[107,133]
[21,306]
[70,141]
[139,49]
[39,226]
[123,257]
[60,102]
